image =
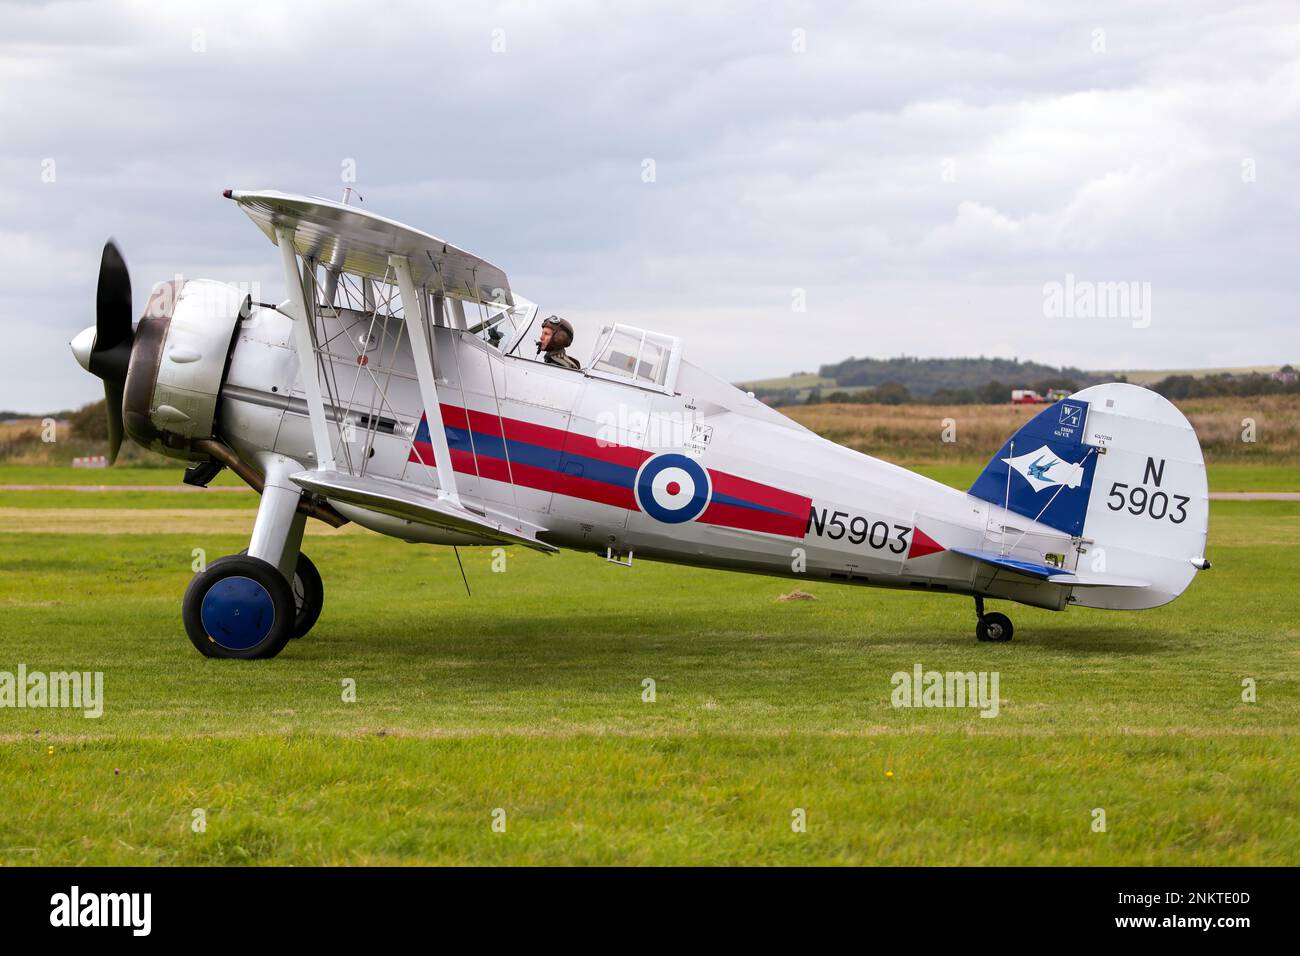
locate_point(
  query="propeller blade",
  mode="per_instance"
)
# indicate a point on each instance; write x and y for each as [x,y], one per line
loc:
[110,355]
[112,300]
[113,392]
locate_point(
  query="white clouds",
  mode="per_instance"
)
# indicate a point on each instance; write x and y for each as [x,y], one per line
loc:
[973,228]
[29,263]
[920,170]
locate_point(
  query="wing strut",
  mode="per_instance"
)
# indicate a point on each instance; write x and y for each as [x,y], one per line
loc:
[417,327]
[308,364]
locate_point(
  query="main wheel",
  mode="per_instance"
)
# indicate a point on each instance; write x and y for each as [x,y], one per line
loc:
[994,627]
[308,594]
[239,607]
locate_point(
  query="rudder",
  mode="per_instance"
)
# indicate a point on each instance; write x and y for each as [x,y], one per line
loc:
[1119,467]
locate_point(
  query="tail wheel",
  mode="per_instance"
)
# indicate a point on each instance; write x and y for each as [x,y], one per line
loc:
[994,627]
[239,607]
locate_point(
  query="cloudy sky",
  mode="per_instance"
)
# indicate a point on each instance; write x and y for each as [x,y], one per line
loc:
[914,175]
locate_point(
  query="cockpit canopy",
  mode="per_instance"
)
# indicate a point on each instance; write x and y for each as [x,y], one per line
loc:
[624,353]
[503,326]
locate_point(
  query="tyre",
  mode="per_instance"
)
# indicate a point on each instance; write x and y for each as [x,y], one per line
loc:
[308,594]
[239,607]
[994,627]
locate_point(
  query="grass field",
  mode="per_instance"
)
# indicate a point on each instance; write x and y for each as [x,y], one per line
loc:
[117,475]
[528,697]
[1270,475]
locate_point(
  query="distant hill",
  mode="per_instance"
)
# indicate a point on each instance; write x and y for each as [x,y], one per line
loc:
[977,380]
[1151,376]
[922,378]
[11,416]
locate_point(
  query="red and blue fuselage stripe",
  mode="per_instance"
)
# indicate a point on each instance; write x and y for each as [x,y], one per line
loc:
[564,463]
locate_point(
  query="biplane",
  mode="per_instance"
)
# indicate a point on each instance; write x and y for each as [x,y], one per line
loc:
[398,387]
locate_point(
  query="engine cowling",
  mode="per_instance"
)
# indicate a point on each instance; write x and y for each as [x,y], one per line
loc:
[178,364]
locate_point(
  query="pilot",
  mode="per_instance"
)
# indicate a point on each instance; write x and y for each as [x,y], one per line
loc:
[557,335]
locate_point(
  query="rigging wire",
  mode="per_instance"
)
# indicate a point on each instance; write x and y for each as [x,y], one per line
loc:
[462,570]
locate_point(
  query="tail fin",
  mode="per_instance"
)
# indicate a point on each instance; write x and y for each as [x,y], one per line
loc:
[1120,467]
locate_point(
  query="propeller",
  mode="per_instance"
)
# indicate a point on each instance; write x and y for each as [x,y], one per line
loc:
[105,349]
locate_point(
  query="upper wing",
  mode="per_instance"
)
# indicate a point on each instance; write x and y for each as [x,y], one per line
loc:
[356,241]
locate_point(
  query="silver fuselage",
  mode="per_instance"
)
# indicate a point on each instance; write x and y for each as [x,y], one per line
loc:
[783,501]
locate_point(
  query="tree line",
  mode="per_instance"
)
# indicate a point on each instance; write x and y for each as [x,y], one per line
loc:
[1173,387]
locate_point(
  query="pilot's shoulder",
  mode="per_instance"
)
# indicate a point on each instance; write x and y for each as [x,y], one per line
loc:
[562,360]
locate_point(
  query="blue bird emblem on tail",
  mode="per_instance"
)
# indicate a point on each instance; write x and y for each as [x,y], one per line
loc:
[1039,470]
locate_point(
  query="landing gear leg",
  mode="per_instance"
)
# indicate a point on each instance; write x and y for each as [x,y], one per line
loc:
[993,627]
[277,532]
[243,606]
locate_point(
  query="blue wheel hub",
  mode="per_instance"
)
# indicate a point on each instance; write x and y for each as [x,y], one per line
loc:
[237,612]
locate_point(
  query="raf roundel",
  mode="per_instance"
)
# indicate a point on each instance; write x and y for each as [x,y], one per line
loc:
[672,488]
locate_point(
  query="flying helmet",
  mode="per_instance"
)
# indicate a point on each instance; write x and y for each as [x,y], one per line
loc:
[561,333]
